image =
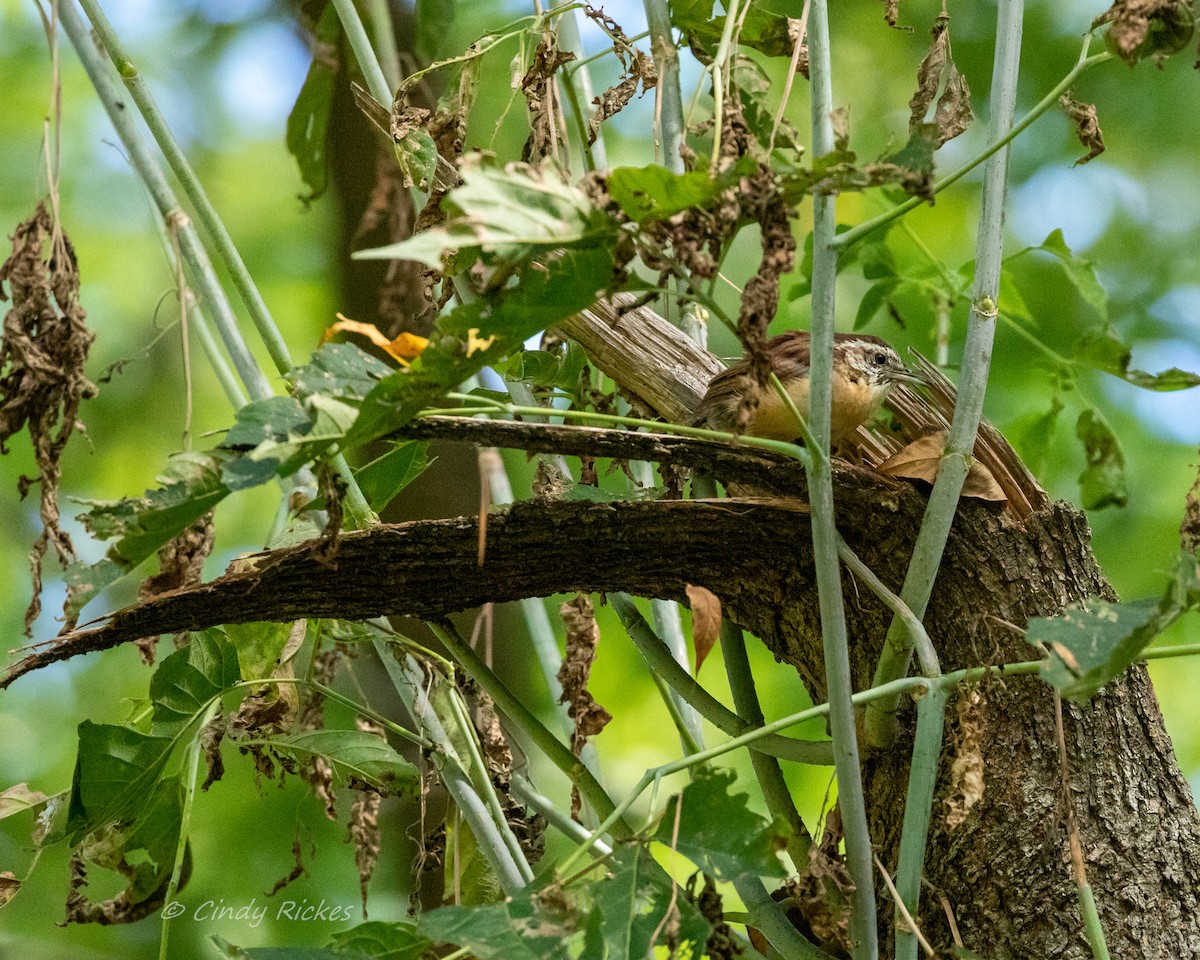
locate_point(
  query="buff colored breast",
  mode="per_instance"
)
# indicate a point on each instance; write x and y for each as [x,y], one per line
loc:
[854,403]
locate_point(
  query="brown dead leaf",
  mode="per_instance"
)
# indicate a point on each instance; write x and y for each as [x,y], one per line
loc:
[1087,126]
[706,621]
[1147,28]
[9,886]
[44,347]
[953,113]
[966,771]
[920,459]
[583,636]
[403,348]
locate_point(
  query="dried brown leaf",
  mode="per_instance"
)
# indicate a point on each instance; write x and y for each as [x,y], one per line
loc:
[1147,28]
[920,459]
[297,870]
[953,113]
[538,87]
[180,564]
[44,347]
[403,348]
[967,768]
[363,828]
[1087,126]
[706,621]
[640,69]
[579,617]
[9,886]
[210,744]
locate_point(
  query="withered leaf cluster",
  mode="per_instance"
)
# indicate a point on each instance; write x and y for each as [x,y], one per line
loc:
[953,113]
[44,348]
[1087,126]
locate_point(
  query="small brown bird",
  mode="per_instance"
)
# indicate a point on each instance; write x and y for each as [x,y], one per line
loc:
[865,368]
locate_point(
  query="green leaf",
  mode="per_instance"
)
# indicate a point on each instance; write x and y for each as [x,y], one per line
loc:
[505,214]
[352,754]
[340,370]
[542,296]
[383,478]
[272,418]
[1092,643]
[258,646]
[1079,270]
[655,193]
[1104,350]
[633,901]
[115,771]
[308,123]
[872,300]
[543,368]
[145,851]
[1033,435]
[417,155]
[720,834]
[191,486]
[386,941]
[1102,483]
[524,927]
[434,20]
[762,29]
[282,953]
[470,880]
[186,682]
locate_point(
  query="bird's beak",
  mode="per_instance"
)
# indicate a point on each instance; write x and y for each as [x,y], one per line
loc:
[904,375]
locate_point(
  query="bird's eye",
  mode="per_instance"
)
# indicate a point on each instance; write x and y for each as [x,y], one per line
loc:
[879,359]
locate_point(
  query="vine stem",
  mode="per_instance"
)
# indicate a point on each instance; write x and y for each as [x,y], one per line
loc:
[1084,63]
[879,721]
[719,65]
[864,932]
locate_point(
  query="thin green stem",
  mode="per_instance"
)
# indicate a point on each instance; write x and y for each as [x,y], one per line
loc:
[360,44]
[592,58]
[486,405]
[192,766]
[766,769]
[384,31]
[864,932]
[553,812]
[675,711]
[658,658]
[719,65]
[1083,64]
[918,810]
[770,920]
[916,629]
[893,662]
[594,155]
[469,738]
[522,717]
[361,709]
[1091,923]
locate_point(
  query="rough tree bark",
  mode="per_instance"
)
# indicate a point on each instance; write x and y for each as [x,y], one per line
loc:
[1004,871]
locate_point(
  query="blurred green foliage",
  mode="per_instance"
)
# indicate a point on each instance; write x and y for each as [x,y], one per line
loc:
[1134,212]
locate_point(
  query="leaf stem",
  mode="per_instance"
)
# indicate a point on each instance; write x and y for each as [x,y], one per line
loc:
[1083,64]
[360,44]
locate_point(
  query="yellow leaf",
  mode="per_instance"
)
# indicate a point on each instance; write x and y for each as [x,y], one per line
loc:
[405,347]
[475,342]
